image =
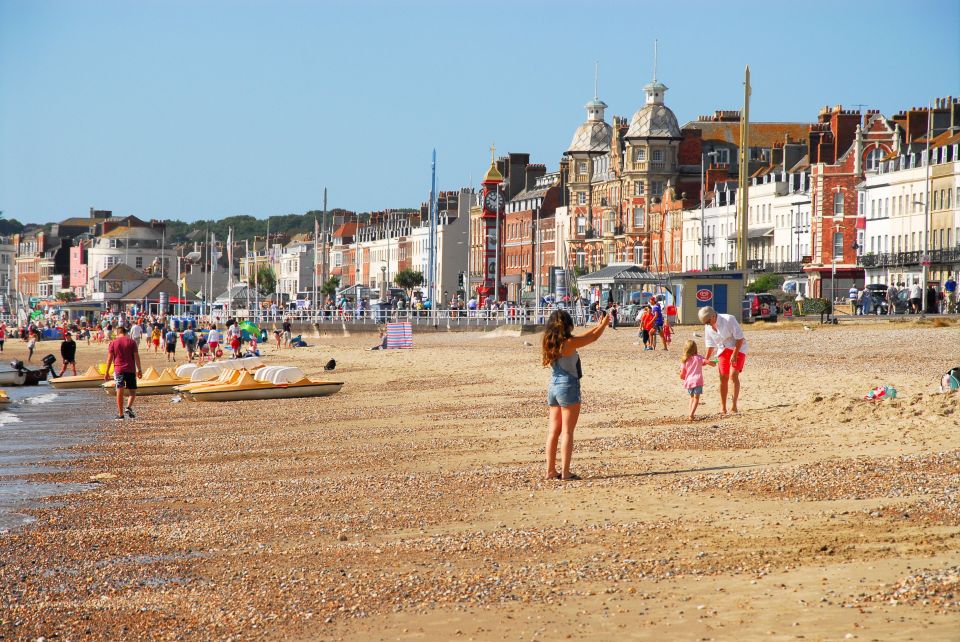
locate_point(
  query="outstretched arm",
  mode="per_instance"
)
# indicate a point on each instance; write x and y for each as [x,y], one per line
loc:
[591,335]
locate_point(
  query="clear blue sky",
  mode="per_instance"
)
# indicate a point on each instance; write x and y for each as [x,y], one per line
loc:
[207,108]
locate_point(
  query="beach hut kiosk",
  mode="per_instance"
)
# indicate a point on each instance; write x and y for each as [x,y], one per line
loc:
[723,291]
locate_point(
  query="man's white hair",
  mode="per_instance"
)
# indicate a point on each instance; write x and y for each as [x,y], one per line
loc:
[706,313]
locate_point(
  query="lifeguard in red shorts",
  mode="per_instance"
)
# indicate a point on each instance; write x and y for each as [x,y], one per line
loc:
[723,335]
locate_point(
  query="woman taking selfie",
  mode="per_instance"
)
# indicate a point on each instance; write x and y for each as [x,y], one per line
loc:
[559,351]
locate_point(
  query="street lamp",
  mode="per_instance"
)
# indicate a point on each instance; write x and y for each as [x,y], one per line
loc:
[703,228]
[925,253]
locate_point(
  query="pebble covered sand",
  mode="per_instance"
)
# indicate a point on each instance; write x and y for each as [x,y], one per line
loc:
[412,504]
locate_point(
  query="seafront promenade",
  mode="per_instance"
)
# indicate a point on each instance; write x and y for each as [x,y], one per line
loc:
[412,505]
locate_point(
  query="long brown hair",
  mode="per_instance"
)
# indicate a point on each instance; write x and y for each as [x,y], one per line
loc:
[559,329]
[688,351]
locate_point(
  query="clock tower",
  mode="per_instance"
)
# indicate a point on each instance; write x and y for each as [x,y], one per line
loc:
[490,218]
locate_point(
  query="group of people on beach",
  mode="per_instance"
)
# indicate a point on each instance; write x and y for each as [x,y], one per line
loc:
[726,349]
[653,323]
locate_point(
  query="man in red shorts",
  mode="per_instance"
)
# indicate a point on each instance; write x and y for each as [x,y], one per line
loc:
[123,355]
[722,334]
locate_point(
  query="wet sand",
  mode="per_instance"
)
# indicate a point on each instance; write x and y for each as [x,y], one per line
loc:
[411,505]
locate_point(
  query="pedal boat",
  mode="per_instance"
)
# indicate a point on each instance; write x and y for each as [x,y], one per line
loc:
[152,383]
[92,378]
[272,382]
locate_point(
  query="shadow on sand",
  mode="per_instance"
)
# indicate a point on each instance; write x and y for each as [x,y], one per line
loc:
[654,473]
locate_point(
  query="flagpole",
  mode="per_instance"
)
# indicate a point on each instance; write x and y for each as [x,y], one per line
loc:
[206,295]
[246,254]
[230,272]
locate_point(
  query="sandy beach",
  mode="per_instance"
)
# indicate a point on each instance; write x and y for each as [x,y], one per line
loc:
[412,504]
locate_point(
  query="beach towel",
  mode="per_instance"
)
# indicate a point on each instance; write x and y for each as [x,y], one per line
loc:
[881,392]
[399,335]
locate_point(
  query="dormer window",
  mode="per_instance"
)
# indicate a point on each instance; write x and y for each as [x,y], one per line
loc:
[874,158]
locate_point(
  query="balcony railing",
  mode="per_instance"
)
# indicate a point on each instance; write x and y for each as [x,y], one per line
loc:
[900,259]
[785,267]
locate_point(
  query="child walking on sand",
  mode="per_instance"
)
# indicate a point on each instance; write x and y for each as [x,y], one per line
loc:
[691,373]
[666,335]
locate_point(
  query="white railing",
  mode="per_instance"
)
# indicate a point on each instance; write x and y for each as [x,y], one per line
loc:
[523,316]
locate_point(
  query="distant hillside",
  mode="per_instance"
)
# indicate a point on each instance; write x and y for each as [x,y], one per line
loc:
[245,226]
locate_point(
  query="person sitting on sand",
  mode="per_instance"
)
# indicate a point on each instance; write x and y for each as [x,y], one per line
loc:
[559,351]
[383,341]
[722,334]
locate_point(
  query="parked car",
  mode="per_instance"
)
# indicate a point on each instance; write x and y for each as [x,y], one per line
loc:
[762,306]
[879,293]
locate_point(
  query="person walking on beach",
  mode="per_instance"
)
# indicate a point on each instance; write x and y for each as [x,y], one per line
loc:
[68,352]
[31,344]
[666,333]
[722,334]
[657,330]
[287,332]
[3,335]
[136,331]
[155,339]
[691,373]
[190,343]
[213,340]
[171,342]
[646,327]
[559,351]
[123,355]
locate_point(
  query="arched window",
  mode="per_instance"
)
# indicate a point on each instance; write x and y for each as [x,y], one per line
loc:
[838,204]
[874,157]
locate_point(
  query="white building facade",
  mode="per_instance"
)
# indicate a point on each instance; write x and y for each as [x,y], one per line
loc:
[898,235]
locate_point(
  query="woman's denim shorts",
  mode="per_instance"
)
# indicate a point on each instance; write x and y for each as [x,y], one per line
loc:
[563,392]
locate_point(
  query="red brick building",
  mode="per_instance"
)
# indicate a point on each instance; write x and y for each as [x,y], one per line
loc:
[528,233]
[841,145]
[665,221]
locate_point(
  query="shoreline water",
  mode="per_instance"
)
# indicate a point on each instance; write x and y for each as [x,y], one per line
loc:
[38,429]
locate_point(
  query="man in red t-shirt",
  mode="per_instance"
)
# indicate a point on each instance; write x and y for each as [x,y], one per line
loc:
[123,355]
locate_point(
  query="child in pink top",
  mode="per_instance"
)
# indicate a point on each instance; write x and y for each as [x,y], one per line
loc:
[691,372]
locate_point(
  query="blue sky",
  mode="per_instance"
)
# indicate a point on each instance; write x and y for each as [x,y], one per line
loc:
[207,108]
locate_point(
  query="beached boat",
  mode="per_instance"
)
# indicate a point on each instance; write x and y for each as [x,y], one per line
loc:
[89,379]
[12,377]
[272,382]
[152,383]
[19,374]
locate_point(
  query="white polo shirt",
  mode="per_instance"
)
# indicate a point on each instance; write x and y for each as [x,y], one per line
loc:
[726,335]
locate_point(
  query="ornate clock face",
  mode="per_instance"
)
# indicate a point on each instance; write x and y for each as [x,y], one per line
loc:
[493,201]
